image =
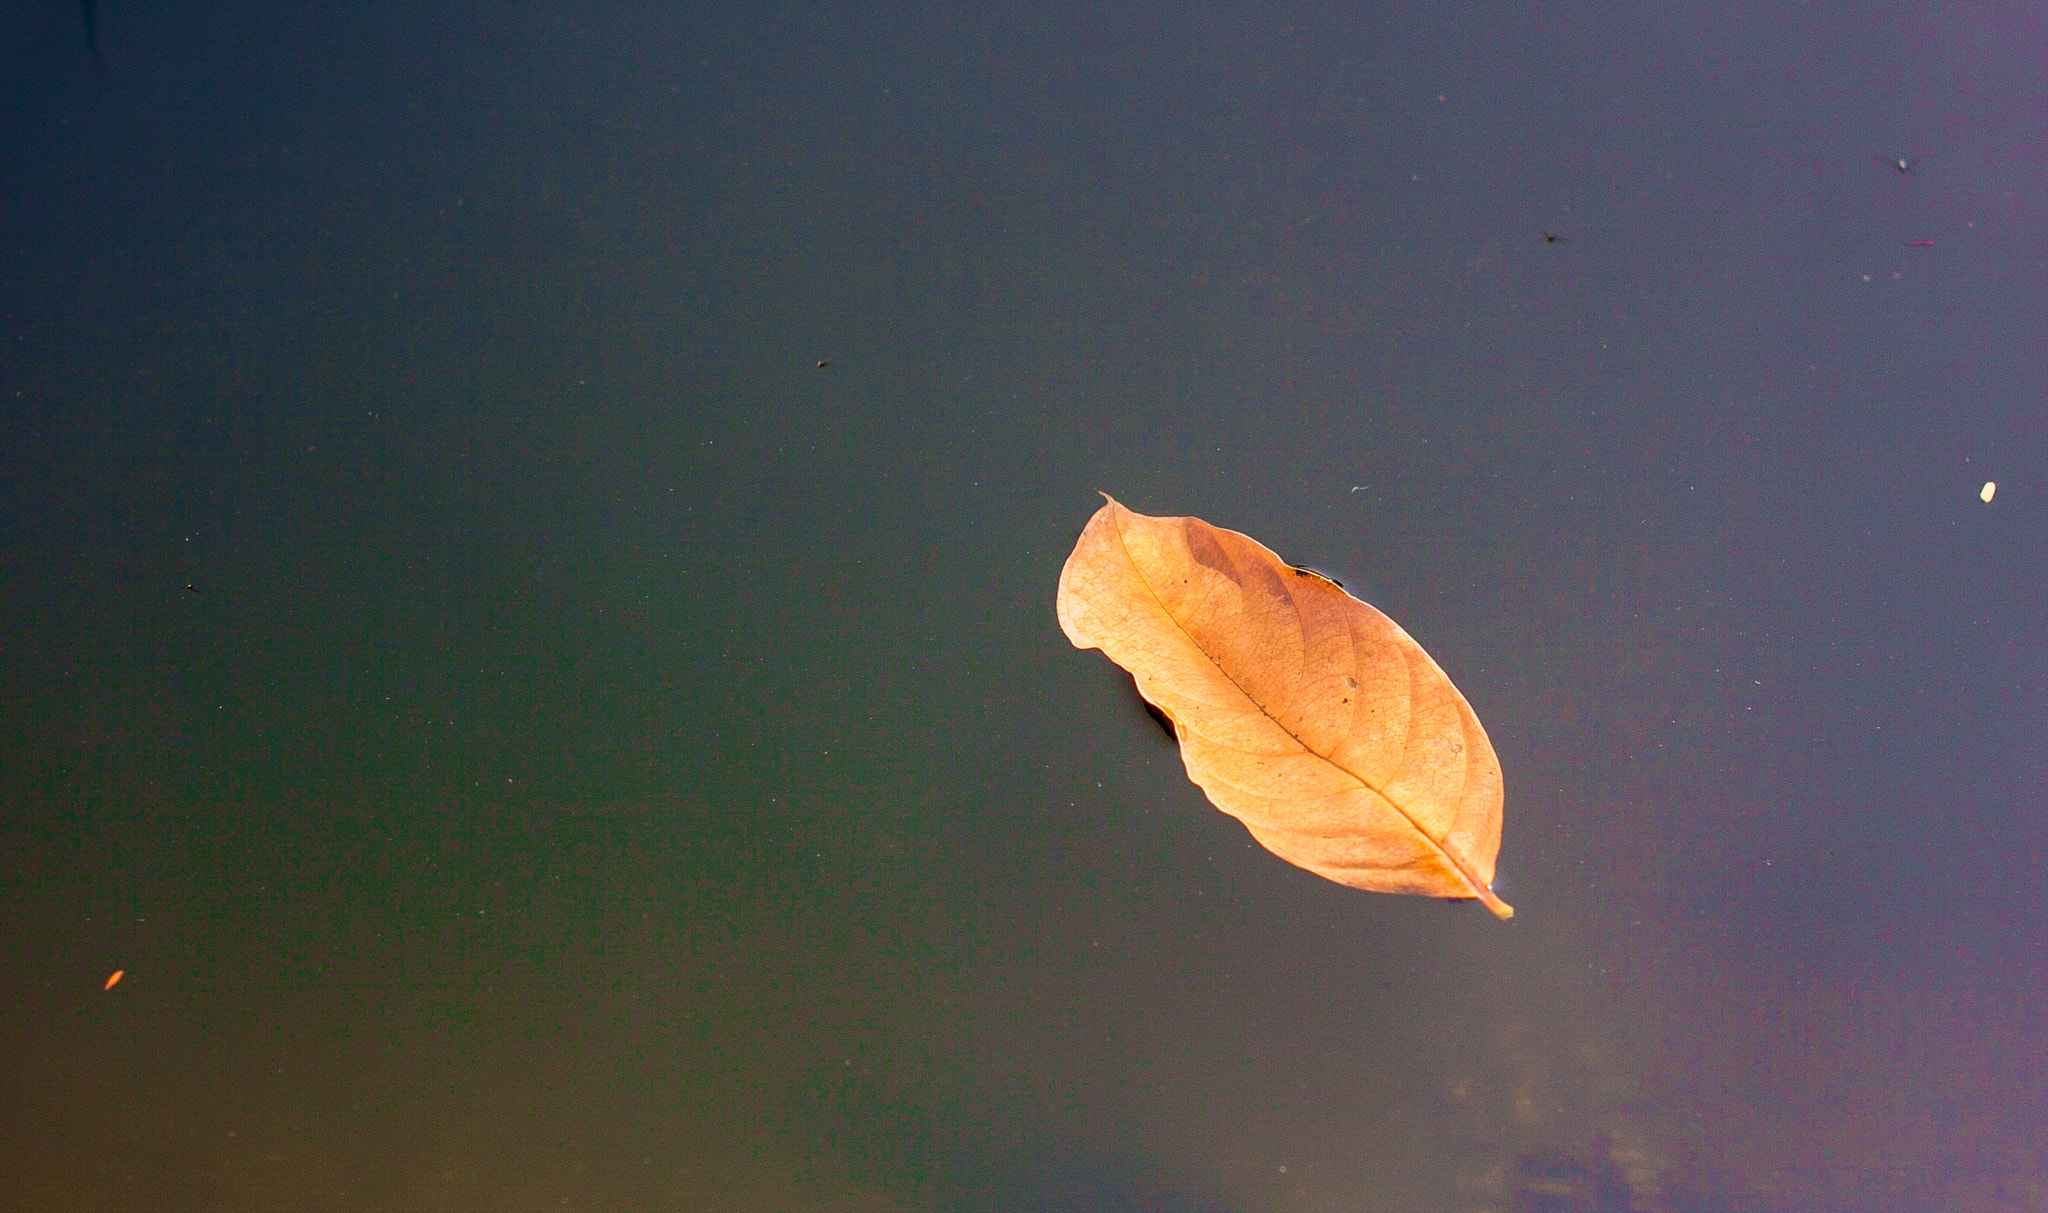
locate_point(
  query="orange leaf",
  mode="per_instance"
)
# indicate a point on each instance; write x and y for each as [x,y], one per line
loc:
[1301,711]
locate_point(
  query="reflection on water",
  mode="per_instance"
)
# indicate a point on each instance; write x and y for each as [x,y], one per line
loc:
[1551,1183]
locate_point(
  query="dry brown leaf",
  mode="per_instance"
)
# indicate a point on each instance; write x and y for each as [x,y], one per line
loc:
[1301,711]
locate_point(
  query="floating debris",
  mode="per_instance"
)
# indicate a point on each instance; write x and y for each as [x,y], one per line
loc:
[1984,494]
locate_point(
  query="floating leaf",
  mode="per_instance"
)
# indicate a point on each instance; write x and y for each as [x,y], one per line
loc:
[1301,711]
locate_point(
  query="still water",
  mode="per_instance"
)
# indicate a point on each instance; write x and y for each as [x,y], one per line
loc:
[527,638]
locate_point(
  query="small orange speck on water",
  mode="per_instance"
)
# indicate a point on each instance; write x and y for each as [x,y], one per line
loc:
[111,980]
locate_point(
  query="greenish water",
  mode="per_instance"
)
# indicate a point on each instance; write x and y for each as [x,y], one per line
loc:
[530,735]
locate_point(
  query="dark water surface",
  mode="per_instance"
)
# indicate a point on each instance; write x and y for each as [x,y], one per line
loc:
[527,546]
